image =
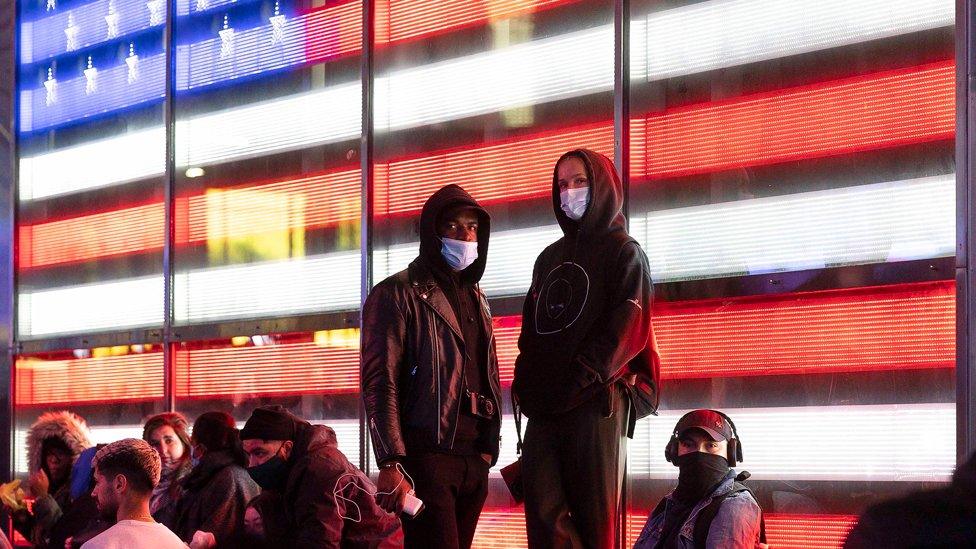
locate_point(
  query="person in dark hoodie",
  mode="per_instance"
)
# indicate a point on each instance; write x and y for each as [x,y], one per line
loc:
[324,500]
[216,491]
[928,519]
[54,443]
[430,376]
[587,365]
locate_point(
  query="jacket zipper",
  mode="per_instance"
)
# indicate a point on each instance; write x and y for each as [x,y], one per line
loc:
[437,373]
[376,433]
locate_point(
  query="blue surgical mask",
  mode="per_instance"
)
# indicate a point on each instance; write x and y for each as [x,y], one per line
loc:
[459,254]
[195,457]
[574,202]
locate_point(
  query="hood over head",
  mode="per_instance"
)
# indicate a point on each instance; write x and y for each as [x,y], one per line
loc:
[66,426]
[605,212]
[448,197]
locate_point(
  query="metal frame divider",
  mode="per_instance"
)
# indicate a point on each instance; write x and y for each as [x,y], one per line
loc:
[366,202]
[965,237]
[9,104]
[621,141]
[169,190]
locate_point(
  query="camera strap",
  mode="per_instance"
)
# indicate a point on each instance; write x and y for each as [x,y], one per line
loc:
[517,411]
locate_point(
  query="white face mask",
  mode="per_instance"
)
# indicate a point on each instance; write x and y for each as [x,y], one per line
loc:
[574,202]
[459,254]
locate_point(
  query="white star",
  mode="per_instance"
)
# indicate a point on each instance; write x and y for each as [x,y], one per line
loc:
[51,85]
[157,13]
[133,63]
[203,5]
[112,21]
[51,4]
[277,29]
[71,33]
[226,40]
[91,76]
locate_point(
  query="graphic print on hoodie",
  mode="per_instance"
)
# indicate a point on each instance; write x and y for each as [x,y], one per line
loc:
[587,315]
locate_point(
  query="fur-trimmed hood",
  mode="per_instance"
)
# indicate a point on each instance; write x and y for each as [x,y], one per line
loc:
[67,426]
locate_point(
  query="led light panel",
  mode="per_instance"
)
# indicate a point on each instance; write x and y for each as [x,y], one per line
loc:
[106,234]
[328,282]
[909,326]
[503,527]
[413,19]
[875,111]
[515,76]
[512,170]
[838,443]
[316,201]
[105,90]
[132,156]
[100,306]
[520,75]
[905,326]
[96,380]
[725,33]
[186,7]
[287,368]
[867,112]
[892,221]
[87,25]
[294,122]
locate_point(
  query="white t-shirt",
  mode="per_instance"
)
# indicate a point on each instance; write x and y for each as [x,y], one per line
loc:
[135,534]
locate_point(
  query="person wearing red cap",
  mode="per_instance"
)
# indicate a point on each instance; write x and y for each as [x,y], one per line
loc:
[710,507]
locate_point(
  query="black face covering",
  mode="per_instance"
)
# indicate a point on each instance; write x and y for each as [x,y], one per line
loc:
[698,475]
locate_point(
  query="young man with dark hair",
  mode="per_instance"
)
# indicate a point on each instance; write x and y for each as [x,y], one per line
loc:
[125,474]
[710,507]
[324,500]
[430,376]
[586,369]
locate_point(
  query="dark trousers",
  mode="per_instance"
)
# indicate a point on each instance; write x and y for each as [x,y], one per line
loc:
[453,489]
[573,468]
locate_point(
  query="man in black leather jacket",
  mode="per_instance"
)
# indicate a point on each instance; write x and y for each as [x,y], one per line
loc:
[430,376]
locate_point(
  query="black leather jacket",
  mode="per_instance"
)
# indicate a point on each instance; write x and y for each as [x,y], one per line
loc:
[412,363]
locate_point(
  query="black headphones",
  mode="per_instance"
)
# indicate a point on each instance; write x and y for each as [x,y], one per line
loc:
[735,447]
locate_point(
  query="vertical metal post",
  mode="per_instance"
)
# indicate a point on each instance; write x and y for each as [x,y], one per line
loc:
[366,170]
[9,50]
[169,191]
[621,95]
[621,141]
[965,254]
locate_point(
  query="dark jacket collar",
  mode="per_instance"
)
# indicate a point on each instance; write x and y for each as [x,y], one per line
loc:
[424,285]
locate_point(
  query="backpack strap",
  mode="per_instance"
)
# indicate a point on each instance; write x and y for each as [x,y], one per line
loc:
[705,517]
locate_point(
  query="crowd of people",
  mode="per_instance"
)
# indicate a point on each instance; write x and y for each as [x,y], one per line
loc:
[587,370]
[278,482]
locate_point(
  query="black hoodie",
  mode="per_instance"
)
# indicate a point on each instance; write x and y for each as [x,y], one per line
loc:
[447,197]
[586,320]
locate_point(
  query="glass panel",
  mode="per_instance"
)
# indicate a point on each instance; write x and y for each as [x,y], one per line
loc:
[792,183]
[267,141]
[313,374]
[92,153]
[114,389]
[487,95]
